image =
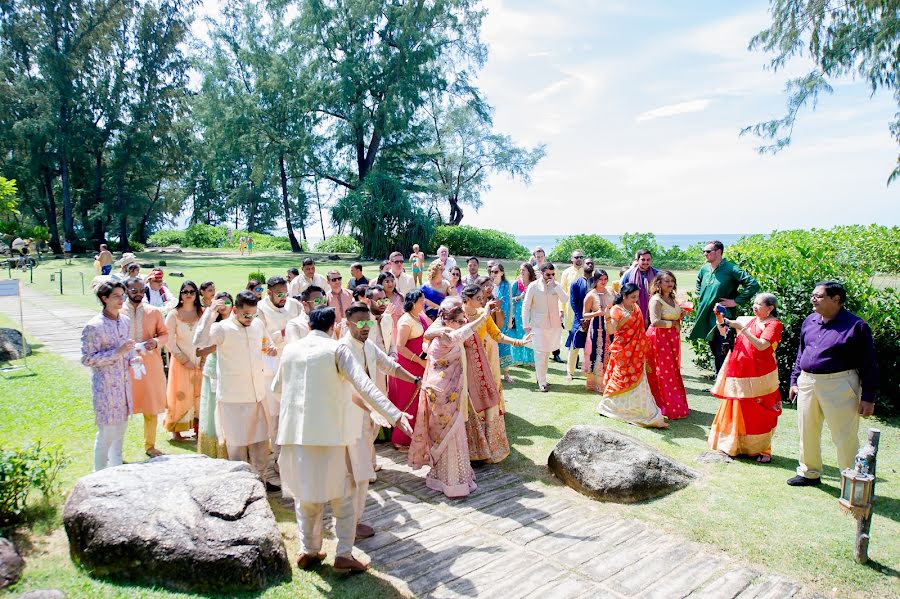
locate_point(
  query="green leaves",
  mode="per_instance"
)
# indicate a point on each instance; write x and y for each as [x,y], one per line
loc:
[24,469]
[470,241]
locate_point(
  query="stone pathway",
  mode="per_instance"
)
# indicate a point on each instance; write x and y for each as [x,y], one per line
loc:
[513,539]
[509,539]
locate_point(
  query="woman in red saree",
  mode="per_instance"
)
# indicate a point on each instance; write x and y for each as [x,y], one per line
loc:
[410,335]
[748,385]
[626,394]
[439,437]
[664,358]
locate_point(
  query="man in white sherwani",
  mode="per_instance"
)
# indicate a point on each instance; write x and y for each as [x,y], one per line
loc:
[298,327]
[318,424]
[378,366]
[540,315]
[382,334]
[241,384]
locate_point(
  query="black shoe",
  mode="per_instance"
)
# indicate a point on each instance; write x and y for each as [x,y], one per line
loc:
[557,359]
[802,481]
[272,488]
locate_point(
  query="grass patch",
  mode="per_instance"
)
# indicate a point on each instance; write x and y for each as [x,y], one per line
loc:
[743,508]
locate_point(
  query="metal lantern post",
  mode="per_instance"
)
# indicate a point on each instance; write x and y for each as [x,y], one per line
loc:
[858,493]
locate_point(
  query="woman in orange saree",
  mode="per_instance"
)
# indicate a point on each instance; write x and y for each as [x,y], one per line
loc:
[748,385]
[626,394]
[439,437]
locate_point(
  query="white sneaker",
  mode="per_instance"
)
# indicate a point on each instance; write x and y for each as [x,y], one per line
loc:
[568,377]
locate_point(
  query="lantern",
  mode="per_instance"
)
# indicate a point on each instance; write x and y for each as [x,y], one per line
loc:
[856,492]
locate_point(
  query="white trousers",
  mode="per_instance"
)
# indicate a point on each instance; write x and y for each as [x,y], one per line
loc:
[255,454]
[360,493]
[541,358]
[309,520]
[832,398]
[108,445]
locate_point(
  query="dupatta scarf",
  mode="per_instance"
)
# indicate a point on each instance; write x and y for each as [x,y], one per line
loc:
[627,353]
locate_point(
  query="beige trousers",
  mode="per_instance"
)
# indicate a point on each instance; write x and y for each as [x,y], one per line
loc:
[309,519]
[151,423]
[832,398]
[255,454]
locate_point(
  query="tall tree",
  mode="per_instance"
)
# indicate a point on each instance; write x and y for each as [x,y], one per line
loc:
[465,152]
[840,37]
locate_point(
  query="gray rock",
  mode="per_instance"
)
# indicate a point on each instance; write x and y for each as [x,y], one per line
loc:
[43,594]
[176,274]
[11,563]
[185,522]
[11,345]
[714,457]
[610,466]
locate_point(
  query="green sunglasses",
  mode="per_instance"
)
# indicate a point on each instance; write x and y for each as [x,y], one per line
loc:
[250,315]
[318,301]
[281,295]
[382,302]
[360,324]
[227,304]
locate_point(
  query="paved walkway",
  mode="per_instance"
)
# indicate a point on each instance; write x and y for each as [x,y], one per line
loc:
[509,539]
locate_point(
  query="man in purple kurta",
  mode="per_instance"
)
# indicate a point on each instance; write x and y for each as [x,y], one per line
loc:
[642,275]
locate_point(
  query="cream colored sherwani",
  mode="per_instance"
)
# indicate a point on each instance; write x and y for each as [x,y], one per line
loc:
[382,334]
[378,366]
[297,328]
[569,276]
[275,320]
[299,284]
[318,423]
[540,311]
[240,385]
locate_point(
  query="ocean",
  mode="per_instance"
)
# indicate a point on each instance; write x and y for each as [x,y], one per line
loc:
[548,242]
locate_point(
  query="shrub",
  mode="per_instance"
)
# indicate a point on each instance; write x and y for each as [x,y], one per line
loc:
[262,241]
[602,250]
[339,244]
[166,237]
[259,276]
[790,263]
[470,241]
[23,470]
[200,235]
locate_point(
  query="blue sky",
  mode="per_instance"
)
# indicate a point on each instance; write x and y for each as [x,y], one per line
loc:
[640,105]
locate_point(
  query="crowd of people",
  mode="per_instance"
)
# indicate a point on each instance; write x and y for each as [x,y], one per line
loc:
[299,375]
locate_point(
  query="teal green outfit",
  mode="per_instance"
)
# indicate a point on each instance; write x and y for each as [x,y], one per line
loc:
[714,285]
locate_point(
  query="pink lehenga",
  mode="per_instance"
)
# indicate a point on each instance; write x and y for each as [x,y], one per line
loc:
[439,437]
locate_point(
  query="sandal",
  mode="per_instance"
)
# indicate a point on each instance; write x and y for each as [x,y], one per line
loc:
[764,459]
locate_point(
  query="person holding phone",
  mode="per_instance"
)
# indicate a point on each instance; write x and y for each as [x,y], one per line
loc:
[718,282]
[541,316]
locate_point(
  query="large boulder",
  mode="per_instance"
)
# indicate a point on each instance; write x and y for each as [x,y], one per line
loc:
[11,345]
[185,522]
[610,466]
[11,563]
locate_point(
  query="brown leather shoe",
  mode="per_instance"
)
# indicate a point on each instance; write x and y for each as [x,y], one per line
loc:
[154,453]
[310,560]
[364,531]
[350,563]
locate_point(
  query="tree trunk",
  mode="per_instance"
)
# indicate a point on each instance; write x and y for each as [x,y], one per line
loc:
[123,217]
[319,203]
[295,245]
[456,212]
[68,220]
[52,225]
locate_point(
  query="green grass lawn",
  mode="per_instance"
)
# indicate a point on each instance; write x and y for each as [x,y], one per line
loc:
[743,508]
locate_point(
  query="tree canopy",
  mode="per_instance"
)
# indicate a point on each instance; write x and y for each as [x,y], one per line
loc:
[842,38]
[115,120]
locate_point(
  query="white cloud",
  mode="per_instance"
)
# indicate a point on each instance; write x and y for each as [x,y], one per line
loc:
[674,109]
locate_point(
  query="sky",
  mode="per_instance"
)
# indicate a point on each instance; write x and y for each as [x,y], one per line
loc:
[640,105]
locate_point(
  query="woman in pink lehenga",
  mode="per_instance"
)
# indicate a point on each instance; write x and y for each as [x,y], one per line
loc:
[439,437]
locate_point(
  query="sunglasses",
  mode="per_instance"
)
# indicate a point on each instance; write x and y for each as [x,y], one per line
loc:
[258,289]
[188,292]
[577,257]
[495,272]
[227,304]
[459,320]
[255,315]
[361,324]
[336,279]
[382,302]
[708,251]
[318,301]
[397,261]
[281,295]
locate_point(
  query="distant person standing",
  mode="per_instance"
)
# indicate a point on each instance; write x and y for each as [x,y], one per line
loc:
[356,276]
[107,349]
[471,277]
[105,259]
[249,245]
[404,281]
[443,254]
[242,244]
[541,315]
[308,277]
[834,380]
[67,251]
[642,274]
[538,257]
[338,297]
[292,273]
[717,283]
[417,262]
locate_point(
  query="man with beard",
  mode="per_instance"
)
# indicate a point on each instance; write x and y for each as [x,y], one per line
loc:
[578,290]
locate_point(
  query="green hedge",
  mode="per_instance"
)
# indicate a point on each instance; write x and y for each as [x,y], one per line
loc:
[602,250]
[470,241]
[205,236]
[339,244]
[790,263]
